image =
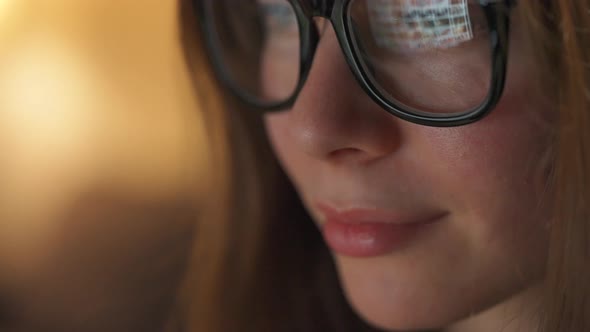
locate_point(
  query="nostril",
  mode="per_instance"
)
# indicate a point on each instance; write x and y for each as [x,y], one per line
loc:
[348,155]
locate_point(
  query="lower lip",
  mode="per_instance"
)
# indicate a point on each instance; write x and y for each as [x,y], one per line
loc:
[368,239]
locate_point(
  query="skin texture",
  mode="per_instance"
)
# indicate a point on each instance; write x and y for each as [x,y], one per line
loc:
[476,269]
[101,164]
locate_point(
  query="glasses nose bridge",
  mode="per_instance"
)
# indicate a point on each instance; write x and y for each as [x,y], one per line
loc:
[322,8]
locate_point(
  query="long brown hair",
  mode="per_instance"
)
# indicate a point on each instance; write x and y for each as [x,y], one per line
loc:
[254,271]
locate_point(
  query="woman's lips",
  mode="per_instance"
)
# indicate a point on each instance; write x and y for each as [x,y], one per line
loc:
[371,232]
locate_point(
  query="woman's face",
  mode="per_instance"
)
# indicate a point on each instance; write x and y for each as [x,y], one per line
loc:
[469,197]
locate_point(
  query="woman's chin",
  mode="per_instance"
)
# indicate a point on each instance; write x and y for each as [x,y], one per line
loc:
[396,316]
[394,300]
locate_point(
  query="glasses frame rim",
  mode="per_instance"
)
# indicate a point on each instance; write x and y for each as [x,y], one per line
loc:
[497,13]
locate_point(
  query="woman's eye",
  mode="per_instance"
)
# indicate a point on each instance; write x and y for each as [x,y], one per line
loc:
[412,27]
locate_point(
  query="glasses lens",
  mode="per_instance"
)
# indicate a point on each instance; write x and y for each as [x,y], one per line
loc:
[433,57]
[258,45]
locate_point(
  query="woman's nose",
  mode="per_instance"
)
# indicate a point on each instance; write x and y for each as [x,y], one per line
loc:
[333,118]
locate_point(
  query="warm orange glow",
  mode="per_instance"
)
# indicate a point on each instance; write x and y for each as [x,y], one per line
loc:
[95,101]
[4,7]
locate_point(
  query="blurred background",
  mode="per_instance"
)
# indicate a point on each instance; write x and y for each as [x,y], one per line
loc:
[102,164]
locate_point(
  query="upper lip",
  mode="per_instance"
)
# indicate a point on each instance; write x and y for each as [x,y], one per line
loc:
[376,215]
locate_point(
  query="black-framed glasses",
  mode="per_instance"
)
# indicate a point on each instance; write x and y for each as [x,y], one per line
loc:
[431,62]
